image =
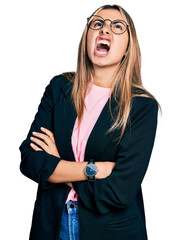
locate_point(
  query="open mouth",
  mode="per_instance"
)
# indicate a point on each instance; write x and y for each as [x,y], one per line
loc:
[103,46]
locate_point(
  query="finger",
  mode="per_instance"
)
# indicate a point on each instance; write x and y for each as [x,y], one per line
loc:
[43,136]
[40,143]
[35,147]
[49,133]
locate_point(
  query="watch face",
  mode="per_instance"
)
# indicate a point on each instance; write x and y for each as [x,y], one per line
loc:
[91,170]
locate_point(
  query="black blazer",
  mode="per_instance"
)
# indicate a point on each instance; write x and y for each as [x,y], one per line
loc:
[110,208]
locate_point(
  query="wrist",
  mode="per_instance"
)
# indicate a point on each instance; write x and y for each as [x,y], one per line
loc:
[99,170]
[90,170]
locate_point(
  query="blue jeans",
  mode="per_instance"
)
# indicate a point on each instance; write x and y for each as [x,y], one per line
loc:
[69,229]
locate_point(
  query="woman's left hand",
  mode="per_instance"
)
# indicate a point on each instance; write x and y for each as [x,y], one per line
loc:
[48,145]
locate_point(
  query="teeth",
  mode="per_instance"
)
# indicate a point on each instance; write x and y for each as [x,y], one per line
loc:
[103,41]
[103,53]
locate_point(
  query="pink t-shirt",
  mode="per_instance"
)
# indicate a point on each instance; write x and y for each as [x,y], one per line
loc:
[95,102]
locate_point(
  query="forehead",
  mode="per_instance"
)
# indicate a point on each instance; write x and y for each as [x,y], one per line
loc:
[110,14]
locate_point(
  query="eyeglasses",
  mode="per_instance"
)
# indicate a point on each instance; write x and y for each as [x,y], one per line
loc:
[117,26]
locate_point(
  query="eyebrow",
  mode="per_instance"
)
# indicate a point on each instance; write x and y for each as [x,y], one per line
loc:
[100,20]
[117,20]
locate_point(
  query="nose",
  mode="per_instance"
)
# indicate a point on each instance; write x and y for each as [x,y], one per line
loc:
[105,29]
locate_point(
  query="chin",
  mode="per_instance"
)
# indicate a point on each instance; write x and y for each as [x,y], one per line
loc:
[101,65]
[100,61]
[103,62]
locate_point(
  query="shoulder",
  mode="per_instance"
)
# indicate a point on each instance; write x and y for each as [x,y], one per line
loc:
[59,81]
[143,99]
[143,106]
[58,86]
[144,102]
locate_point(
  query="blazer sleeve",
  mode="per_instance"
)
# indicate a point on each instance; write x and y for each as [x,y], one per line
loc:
[39,165]
[120,188]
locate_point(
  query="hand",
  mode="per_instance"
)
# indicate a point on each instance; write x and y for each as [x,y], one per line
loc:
[48,145]
[104,169]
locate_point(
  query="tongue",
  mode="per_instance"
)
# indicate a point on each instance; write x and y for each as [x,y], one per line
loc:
[102,47]
[101,50]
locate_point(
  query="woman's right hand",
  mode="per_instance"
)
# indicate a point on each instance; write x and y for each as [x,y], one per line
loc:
[104,169]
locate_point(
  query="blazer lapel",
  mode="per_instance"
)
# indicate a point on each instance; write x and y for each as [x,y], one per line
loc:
[98,139]
[64,120]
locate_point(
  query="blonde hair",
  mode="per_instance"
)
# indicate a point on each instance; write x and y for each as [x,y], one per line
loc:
[127,77]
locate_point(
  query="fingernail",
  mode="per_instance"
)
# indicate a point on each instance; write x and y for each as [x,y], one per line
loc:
[34,132]
[42,128]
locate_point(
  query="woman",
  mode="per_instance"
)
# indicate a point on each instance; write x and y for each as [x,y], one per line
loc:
[99,126]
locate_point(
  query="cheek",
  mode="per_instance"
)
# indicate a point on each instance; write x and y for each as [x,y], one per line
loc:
[120,46]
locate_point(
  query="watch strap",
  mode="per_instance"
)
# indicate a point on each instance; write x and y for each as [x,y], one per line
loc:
[91,161]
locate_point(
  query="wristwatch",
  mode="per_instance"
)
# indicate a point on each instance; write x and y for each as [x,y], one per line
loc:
[90,170]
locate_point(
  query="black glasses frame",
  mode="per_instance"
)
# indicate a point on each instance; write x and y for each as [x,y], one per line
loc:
[88,24]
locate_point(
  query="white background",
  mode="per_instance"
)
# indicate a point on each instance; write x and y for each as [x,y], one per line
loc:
[39,39]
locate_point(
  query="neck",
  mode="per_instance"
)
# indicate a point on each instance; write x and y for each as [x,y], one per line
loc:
[104,76]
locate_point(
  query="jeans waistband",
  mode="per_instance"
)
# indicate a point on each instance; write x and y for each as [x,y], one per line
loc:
[71,206]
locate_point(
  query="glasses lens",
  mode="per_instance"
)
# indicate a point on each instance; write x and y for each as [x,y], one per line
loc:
[119,26]
[96,23]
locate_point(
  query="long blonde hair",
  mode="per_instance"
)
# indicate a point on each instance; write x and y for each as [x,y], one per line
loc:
[127,77]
